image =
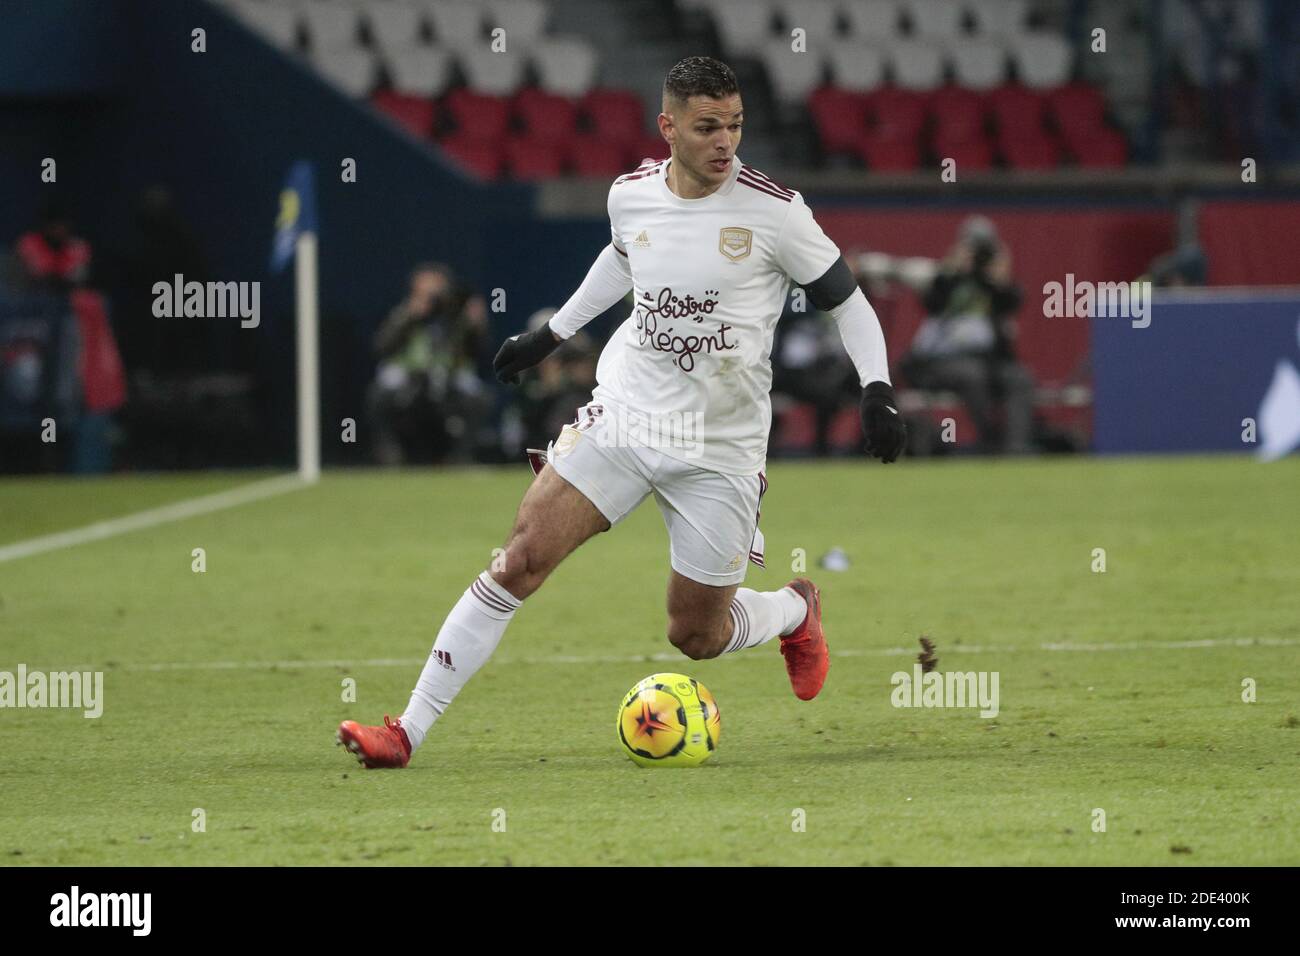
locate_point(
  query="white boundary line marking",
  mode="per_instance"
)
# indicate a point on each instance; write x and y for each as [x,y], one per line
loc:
[673,657]
[176,511]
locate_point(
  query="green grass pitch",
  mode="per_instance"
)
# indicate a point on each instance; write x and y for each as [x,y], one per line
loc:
[1120,691]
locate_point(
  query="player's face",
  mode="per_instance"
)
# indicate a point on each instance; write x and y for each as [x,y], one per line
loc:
[704,135]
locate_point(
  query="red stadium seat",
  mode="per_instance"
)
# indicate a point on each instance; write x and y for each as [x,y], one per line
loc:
[477,115]
[970,153]
[594,155]
[531,158]
[896,114]
[1017,109]
[1077,106]
[547,116]
[840,118]
[1026,150]
[1100,149]
[888,153]
[481,157]
[892,141]
[414,113]
[615,114]
[958,114]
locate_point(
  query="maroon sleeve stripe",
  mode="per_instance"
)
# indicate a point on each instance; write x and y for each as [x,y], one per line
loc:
[641,172]
[763,188]
[758,177]
[769,180]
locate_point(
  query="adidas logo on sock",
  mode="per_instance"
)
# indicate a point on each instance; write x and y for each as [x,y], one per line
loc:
[444,658]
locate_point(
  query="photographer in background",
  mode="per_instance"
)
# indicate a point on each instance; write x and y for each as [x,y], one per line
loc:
[966,343]
[428,402]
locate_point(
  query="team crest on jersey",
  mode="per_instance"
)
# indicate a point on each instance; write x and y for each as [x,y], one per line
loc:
[735,242]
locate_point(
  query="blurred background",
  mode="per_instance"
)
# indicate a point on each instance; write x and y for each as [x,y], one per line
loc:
[963,153]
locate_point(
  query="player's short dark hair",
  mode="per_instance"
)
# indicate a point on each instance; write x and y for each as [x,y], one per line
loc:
[700,76]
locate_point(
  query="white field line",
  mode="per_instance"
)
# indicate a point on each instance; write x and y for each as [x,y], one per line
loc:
[177,511]
[671,657]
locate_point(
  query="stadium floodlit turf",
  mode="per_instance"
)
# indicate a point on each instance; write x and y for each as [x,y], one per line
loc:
[1119,691]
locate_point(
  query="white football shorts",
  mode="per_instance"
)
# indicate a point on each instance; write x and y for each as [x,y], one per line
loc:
[712,518]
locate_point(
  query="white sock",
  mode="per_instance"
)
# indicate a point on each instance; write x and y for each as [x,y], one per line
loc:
[759,616]
[467,639]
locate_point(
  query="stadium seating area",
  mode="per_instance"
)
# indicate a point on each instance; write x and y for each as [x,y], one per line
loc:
[897,84]
[429,65]
[890,85]
[896,129]
[532,134]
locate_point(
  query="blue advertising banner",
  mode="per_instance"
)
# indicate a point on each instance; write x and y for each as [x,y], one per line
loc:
[1215,370]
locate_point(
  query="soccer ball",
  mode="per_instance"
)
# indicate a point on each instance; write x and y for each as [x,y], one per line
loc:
[669,720]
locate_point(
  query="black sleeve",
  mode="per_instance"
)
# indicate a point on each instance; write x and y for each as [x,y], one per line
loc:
[832,287]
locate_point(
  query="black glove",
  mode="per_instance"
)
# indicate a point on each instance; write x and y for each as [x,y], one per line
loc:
[523,351]
[881,423]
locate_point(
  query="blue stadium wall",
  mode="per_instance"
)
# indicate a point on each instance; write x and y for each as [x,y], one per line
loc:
[112,91]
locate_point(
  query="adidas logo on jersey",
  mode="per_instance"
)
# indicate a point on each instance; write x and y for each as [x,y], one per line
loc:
[642,241]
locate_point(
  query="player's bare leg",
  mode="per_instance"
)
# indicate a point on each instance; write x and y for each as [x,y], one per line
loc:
[705,621]
[699,616]
[553,520]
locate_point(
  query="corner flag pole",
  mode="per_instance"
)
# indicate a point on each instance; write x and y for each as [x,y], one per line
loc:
[295,238]
[308,357]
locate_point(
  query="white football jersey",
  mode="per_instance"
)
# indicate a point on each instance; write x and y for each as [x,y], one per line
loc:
[710,278]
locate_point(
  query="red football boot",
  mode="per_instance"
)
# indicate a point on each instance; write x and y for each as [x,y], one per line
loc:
[807,658]
[376,747]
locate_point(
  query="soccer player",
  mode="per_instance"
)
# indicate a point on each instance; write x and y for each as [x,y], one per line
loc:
[709,248]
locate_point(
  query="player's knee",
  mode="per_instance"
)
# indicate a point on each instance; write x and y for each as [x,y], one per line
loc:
[695,642]
[521,569]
